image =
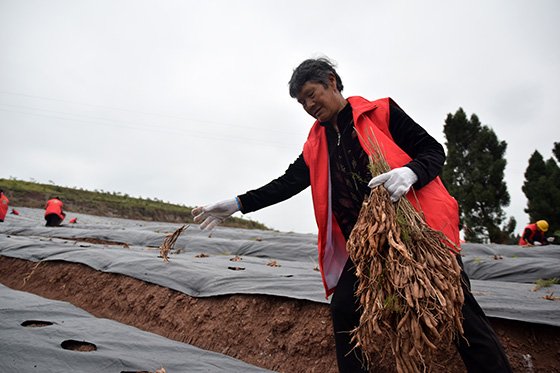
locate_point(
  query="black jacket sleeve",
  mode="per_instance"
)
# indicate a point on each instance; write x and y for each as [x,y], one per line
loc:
[294,180]
[427,154]
[527,235]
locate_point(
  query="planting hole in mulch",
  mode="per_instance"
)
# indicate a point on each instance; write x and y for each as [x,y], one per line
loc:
[73,345]
[35,323]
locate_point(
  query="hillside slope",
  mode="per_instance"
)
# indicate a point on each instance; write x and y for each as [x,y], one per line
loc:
[103,203]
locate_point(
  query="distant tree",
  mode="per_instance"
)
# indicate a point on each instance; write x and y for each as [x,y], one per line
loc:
[535,187]
[542,189]
[556,150]
[474,175]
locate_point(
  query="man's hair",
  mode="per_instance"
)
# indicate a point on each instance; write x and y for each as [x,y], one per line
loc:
[313,70]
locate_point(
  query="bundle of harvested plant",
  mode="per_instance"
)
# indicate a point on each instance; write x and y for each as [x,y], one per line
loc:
[408,280]
[169,242]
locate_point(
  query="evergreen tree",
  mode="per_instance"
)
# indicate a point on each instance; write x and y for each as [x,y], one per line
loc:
[556,150]
[474,175]
[535,187]
[542,189]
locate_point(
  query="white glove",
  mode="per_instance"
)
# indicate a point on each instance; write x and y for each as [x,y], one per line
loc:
[215,213]
[550,239]
[397,182]
[537,243]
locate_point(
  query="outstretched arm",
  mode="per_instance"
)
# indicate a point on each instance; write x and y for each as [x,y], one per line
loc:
[294,180]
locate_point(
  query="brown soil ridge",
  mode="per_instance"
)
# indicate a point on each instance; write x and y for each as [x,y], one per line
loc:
[276,333]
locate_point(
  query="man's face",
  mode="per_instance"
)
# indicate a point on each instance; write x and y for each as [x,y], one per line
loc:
[322,103]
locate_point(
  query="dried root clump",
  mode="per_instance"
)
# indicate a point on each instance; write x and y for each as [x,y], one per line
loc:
[409,283]
[169,242]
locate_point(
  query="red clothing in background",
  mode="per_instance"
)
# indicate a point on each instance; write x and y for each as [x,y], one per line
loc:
[54,206]
[4,202]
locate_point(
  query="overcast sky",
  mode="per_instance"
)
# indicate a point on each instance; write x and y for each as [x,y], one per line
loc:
[187,101]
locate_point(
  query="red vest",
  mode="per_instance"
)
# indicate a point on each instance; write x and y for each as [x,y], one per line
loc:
[4,202]
[534,230]
[54,206]
[440,209]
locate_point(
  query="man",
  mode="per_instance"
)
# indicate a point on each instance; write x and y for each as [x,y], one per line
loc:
[533,234]
[53,212]
[4,202]
[334,162]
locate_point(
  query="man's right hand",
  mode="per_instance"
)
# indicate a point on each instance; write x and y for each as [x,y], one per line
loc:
[213,214]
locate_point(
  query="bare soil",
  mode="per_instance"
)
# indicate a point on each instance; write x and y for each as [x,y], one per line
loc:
[280,334]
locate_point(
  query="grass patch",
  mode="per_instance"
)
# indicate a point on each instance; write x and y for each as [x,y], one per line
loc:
[545,283]
[104,203]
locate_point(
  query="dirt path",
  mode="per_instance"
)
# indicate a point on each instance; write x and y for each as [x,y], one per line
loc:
[281,334]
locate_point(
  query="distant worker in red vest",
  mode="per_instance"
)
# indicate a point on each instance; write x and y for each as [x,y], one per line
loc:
[334,162]
[53,212]
[4,202]
[533,235]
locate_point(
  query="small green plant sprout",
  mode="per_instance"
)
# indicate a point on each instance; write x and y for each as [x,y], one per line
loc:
[544,283]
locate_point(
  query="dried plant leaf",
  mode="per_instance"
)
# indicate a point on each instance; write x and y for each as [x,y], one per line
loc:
[169,242]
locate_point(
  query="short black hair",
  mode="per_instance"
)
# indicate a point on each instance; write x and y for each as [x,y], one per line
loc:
[316,70]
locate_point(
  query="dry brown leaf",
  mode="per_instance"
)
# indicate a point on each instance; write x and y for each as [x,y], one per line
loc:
[550,297]
[169,242]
